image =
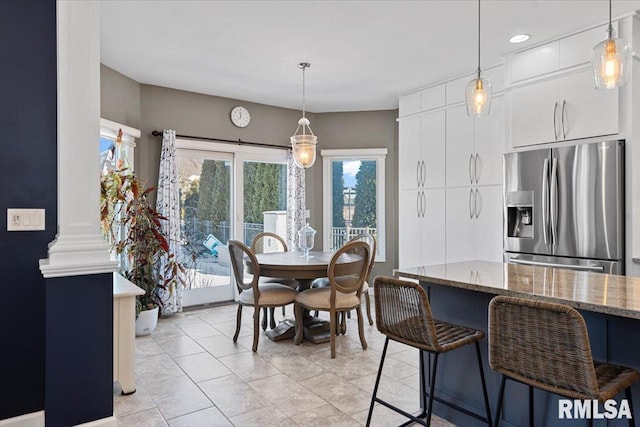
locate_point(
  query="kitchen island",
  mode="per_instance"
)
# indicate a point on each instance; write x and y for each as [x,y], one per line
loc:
[460,293]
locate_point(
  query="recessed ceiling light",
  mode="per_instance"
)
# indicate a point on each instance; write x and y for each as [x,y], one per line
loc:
[519,38]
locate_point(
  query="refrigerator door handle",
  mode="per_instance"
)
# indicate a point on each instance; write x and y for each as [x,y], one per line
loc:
[551,264]
[554,201]
[545,201]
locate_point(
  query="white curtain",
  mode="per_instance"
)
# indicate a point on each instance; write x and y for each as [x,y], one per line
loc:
[295,201]
[168,205]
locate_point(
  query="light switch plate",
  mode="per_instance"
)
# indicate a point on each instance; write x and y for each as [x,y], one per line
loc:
[25,219]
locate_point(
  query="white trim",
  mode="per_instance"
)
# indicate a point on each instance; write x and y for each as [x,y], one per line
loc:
[78,248]
[192,144]
[377,154]
[360,153]
[103,422]
[108,125]
[34,419]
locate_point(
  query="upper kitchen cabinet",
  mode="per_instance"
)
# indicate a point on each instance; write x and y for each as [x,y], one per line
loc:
[475,146]
[562,108]
[552,94]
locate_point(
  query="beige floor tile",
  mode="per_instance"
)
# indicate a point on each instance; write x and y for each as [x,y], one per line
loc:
[178,396]
[287,395]
[221,345]
[210,417]
[148,418]
[295,366]
[157,367]
[340,393]
[202,366]
[232,396]
[146,346]
[325,416]
[166,328]
[269,416]
[136,402]
[249,366]
[199,329]
[178,346]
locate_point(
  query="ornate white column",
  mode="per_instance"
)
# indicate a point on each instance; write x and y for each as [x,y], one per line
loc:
[78,248]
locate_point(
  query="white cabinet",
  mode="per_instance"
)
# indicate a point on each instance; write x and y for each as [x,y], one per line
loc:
[421,178]
[421,218]
[475,146]
[474,224]
[561,109]
[421,158]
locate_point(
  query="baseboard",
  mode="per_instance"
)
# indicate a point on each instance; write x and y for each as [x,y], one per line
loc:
[103,422]
[34,419]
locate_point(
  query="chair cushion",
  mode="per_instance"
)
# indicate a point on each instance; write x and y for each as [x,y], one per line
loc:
[292,283]
[324,282]
[274,294]
[318,298]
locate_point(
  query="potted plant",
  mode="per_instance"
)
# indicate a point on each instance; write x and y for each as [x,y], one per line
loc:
[134,229]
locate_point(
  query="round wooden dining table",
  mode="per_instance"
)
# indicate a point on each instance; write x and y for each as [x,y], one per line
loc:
[295,265]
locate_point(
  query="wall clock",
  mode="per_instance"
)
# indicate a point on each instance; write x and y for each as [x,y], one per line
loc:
[240,116]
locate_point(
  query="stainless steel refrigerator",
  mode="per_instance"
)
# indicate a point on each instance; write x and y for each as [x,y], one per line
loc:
[564,207]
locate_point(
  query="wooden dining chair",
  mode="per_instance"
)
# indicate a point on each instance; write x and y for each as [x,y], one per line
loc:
[342,294]
[252,293]
[267,242]
[322,282]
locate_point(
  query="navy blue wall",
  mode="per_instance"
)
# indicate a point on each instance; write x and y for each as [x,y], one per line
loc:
[27,180]
[79,349]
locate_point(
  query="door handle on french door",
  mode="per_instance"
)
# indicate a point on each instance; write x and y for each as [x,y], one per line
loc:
[564,133]
[545,201]
[555,126]
[554,201]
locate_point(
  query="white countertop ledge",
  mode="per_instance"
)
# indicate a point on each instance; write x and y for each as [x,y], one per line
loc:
[596,292]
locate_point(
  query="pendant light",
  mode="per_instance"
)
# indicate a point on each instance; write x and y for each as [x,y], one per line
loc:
[478,92]
[304,141]
[610,60]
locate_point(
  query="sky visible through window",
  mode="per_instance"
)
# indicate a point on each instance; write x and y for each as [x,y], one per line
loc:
[349,171]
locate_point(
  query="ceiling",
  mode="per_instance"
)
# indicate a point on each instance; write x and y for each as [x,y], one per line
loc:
[363,54]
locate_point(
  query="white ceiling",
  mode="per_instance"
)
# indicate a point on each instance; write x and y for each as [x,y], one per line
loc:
[363,54]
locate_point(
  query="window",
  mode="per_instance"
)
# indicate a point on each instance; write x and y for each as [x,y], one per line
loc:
[109,155]
[353,199]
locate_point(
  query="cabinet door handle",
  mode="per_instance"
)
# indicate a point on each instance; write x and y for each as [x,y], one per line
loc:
[475,167]
[475,204]
[423,173]
[424,204]
[418,173]
[555,127]
[470,174]
[418,204]
[470,208]
[564,103]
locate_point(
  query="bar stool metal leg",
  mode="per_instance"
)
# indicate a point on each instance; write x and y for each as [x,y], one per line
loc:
[503,380]
[432,387]
[484,385]
[375,388]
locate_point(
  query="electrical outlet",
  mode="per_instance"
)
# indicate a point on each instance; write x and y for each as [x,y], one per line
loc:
[25,219]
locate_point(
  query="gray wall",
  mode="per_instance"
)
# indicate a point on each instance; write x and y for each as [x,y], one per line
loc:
[208,116]
[119,97]
[363,129]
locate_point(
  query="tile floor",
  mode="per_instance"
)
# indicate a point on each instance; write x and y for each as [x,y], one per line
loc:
[189,372]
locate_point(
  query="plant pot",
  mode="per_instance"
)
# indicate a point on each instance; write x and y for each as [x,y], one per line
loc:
[146,322]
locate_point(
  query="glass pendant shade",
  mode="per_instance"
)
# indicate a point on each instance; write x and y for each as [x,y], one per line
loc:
[478,97]
[610,61]
[304,150]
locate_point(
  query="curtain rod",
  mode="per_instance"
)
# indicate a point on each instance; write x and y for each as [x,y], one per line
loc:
[227,141]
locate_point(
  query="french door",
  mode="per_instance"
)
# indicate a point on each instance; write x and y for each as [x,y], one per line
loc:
[206,224]
[226,192]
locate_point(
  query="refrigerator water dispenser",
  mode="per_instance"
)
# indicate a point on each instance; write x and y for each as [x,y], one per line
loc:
[520,214]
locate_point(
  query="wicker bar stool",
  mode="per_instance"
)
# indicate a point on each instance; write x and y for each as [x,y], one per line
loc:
[546,346]
[403,314]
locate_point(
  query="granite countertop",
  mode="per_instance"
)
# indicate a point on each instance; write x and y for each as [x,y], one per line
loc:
[597,292]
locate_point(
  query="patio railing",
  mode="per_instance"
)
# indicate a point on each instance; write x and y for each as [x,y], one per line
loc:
[341,235]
